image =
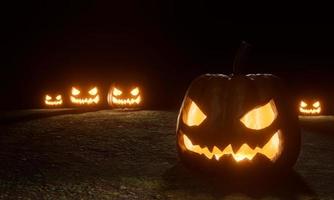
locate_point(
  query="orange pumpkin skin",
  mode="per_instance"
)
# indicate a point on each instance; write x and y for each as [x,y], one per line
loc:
[224,100]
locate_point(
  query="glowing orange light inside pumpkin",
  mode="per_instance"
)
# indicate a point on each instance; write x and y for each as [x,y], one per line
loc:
[271,149]
[75,91]
[306,109]
[115,98]
[261,117]
[135,92]
[48,100]
[93,91]
[126,101]
[94,98]
[192,114]
[116,92]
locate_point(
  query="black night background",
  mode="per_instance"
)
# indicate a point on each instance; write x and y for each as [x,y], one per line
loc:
[50,46]
[162,45]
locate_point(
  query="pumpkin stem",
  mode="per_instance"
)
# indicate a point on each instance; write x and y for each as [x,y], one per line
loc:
[239,60]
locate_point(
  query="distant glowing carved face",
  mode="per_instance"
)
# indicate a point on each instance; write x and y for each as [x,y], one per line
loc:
[120,97]
[310,108]
[50,101]
[91,98]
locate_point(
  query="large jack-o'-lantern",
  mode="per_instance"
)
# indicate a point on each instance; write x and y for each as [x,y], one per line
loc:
[122,96]
[310,107]
[50,100]
[231,120]
[237,122]
[90,97]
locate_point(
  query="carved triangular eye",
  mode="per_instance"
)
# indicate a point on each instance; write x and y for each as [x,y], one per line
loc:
[75,91]
[192,114]
[135,92]
[303,104]
[58,97]
[260,117]
[93,91]
[316,104]
[116,92]
[47,97]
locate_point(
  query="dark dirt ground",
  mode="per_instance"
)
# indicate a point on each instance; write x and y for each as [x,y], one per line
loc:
[131,155]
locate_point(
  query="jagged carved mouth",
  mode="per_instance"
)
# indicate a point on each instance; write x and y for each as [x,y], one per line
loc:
[271,149]
[310,111]
[95,100]
[128,101]
[53,103]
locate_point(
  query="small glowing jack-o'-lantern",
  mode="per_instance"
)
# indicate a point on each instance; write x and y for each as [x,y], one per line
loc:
[124,97]
[49,101]
[310,108]
[92,97]
[239,120]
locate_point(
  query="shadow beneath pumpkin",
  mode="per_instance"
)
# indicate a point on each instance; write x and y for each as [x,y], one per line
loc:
[284,186]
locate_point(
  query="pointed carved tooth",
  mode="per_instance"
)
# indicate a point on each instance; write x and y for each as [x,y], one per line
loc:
[245,152]
[216,151]
[228,150]
[235,148]
[187,142]
[207,153]
[245,149]
[271,148]
[197,149]
[128,101]
[252,146]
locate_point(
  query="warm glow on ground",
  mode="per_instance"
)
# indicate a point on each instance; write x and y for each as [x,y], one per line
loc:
[270,150]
